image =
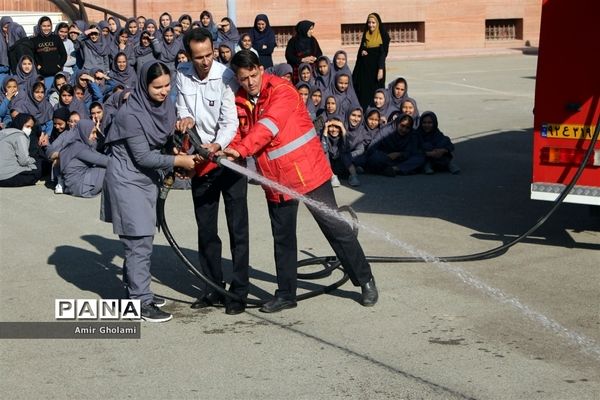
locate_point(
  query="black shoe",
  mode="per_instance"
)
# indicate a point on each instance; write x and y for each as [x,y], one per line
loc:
[234,308]
[211,299]
[151,313]
[277,304]
[369,294]
[389,171]
[159,301]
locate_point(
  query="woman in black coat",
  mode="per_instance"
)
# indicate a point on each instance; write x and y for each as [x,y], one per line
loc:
[302,47]
[369,71]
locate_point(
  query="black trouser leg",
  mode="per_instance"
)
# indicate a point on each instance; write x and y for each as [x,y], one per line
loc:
[206,197]
[25,178]
[283,226]
[340,236]
[235,191]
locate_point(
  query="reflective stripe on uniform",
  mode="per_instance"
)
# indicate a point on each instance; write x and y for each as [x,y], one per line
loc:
[293,145]
[270,125]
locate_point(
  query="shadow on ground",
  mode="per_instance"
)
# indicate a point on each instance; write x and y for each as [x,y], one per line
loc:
[490,196]
[96,271]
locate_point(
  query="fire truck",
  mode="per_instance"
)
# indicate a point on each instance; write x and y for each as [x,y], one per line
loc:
[567,102]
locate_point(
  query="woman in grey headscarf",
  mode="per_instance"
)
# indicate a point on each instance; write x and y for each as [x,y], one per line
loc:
[207,22]
[227,32]
[81,166]
[138,134]
[26,73]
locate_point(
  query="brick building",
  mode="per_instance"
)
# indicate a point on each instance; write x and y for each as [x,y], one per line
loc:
[414,25]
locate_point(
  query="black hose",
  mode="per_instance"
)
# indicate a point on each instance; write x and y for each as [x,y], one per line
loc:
[484,255]
[331,263]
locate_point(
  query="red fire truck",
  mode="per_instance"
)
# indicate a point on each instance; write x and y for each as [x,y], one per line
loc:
[567,101]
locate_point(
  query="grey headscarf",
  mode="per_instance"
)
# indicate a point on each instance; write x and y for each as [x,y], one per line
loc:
[157,119]
[40,110]
[78,142]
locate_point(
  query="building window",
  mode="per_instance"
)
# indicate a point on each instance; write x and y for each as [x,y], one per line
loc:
[503,29]
[400,32]
[283,34]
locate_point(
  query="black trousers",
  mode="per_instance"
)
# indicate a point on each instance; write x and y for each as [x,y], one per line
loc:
[338,233]
[206,193]
[25,178]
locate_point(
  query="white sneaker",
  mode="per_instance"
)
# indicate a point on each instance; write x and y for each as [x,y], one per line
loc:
[58,189]
[335,182]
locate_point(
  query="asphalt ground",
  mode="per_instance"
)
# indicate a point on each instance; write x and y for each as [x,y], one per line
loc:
[523,325]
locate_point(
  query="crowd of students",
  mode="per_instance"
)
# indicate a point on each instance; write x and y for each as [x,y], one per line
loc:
[61,88]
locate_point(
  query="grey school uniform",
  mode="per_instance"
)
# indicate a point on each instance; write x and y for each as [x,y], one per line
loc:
[132,189]
[95,55]
[81,166]
[84,176]
[140,129]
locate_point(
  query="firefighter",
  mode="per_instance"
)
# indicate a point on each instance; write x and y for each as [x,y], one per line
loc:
[276,129]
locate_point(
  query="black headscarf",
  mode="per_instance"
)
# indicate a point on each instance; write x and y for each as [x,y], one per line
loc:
[265,37]
[20,120]
[304,43]
[140,111]
[62,113]
[38,27]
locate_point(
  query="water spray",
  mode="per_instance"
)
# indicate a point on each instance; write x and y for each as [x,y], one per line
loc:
[331,263]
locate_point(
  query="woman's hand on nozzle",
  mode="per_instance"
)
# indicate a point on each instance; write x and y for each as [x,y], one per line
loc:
[185,161]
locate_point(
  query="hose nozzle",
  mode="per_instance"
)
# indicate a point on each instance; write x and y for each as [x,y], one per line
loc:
[210,156]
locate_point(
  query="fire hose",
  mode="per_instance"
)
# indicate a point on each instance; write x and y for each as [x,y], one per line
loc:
[331,263]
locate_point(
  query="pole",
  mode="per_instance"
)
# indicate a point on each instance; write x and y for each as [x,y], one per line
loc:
[232,11]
